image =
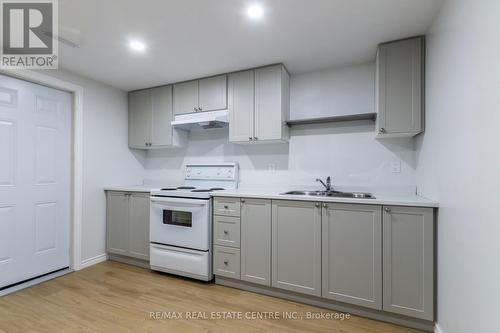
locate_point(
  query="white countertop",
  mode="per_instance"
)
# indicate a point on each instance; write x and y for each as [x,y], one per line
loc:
[380,198]
[134,188]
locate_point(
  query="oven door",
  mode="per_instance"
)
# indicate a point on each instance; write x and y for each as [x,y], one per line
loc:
[180,222]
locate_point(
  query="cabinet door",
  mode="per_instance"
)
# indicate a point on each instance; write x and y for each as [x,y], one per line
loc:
[241,106]
[408,261]
[213,93]
[352,254]
[161,129]
[186,97]
[296,246]
[117,223]
[256,241]
[269,120]
[399,85]
[139,133]
[139,226]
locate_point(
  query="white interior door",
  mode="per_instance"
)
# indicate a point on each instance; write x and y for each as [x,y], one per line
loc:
[35,173]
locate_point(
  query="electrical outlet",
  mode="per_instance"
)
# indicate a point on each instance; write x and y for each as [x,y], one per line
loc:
[396,166]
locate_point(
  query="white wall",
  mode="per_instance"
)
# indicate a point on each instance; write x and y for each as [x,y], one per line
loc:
[459,162]
[335,92]
[106,157]
[347,151]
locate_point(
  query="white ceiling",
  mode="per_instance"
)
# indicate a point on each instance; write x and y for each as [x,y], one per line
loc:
[193,38]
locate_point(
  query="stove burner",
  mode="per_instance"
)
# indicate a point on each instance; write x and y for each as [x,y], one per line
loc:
[208,190]
[186,188]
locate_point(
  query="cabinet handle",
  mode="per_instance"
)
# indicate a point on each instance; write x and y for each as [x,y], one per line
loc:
[242,200]
[325,205]
[387,209]
[250,138]
[200,109]
[382,130]
[195,109]
[226,232]
[226,207]
[317,205]
[255,138]
[226,262]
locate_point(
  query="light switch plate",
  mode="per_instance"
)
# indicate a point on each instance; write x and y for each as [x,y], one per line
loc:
[396,166]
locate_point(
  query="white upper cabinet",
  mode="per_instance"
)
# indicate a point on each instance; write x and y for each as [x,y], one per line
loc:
[213,93]
[259,105]
[150,117]
[207,94]
[399,88]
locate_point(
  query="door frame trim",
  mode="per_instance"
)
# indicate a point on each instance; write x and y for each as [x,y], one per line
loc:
[77,153]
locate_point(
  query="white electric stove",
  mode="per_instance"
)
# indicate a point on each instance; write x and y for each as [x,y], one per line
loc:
[181,220]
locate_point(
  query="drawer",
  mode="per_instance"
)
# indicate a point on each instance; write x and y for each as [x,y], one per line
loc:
[227,262]
[227,231]
[227,206]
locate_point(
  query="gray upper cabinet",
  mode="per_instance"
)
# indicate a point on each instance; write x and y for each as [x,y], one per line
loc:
[296,246]
[150,117]
[140,120]
[259,105]
[208,94]
[408,243]
[399,88]
[241,106]
[127,231]
[213,93]
[352,254]
[186,97]
[256,241]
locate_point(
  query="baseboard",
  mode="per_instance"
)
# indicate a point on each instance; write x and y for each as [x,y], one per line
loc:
[129,260]
[437,329]
[31,283]
[93,261]
[419,324]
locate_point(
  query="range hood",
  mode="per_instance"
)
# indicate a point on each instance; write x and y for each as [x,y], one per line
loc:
[208,119]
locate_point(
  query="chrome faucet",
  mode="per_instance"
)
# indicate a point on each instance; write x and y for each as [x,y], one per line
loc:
[328,184]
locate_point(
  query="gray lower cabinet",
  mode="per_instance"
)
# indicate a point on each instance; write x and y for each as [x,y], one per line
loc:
[408,261]
[352,254]
[139,225]
[227,261]
[117,223]
[256,241]
[296,246]
[128,224]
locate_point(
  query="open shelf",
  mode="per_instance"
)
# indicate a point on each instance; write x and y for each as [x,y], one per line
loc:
[334,119]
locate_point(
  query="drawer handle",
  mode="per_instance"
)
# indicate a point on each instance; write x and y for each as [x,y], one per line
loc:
[226,262]
[226,232]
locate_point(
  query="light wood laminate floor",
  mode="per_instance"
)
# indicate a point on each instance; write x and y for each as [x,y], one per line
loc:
[115,297]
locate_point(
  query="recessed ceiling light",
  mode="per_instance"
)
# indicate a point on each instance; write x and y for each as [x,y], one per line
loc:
[255,11]
[137,46]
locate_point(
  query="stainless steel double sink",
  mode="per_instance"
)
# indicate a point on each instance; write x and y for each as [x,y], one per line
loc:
[335,194]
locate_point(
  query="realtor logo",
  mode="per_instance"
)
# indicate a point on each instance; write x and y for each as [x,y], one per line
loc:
[27,34]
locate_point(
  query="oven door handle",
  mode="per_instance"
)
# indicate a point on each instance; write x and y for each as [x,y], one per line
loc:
[166,200]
